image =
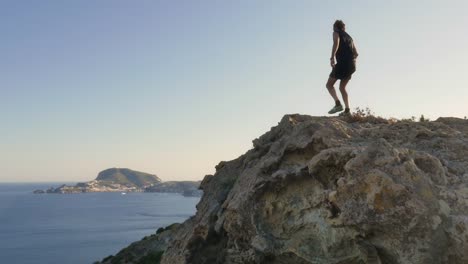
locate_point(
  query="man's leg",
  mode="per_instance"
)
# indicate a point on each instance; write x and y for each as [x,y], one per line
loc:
[344,94]
[331,89]
[338,107]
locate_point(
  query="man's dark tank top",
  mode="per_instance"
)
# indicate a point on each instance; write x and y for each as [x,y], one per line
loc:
[345,49]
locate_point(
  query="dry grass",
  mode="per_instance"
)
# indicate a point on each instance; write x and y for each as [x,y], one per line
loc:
[367,116]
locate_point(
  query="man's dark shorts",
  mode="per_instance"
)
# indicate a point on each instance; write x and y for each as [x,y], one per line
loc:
[343,70]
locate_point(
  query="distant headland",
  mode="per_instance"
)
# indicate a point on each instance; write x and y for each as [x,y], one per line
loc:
[127,180]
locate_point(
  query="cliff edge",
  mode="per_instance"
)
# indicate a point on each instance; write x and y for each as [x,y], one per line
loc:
[327,190]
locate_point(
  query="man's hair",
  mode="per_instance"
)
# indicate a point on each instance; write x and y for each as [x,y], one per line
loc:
[340,25]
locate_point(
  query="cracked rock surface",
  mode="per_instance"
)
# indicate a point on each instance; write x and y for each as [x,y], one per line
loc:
[322,190]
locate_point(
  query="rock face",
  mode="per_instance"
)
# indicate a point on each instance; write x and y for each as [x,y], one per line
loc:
[324,190]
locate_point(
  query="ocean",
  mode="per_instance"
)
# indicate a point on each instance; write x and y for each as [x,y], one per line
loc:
[80,228]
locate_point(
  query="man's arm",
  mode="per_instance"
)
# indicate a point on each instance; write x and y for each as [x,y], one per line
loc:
[336,44]
[355,53]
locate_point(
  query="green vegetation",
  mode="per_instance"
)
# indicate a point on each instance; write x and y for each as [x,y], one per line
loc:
[160,230]
[128,177]
[169,227]
[151,258]
[148,250]
[423,119]
[107,258]
[412,119]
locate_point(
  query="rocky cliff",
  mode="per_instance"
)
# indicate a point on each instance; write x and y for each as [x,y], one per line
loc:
[331,190]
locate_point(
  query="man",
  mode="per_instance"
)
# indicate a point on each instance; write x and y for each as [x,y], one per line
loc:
[345,52]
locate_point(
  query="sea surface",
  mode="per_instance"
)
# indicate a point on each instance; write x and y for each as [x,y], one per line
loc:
[80,228]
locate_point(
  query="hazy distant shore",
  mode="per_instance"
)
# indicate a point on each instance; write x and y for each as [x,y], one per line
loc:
[126,180]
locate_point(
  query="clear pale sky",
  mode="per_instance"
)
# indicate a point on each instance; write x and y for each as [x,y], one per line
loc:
[174,87]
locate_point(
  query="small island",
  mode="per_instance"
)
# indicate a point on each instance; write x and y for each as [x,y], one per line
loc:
[127,180]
